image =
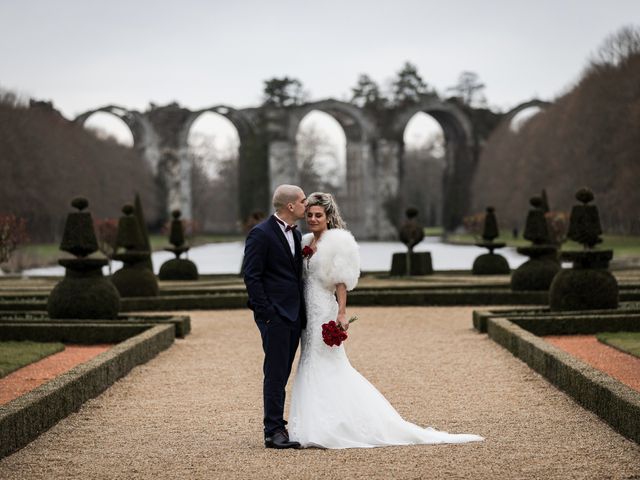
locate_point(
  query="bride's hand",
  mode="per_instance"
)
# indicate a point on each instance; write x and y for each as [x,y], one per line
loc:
[342,321]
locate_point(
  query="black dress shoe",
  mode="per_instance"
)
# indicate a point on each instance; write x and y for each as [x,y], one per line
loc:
[280,439]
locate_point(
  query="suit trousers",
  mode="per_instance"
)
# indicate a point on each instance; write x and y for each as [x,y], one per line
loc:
[280,340]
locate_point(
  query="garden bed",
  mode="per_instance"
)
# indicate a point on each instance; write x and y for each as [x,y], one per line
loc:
[616,403]
[621,366]
[34,374]
[26,417]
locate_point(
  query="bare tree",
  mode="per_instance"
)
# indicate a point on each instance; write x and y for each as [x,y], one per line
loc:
[618,47]
[469,89]
[13,233]
[433,144]
[422,179]
[318,161]
[214,180]
[587,137]
[12,99]
[39,147]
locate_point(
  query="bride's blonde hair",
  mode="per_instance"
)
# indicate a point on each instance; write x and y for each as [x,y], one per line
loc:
[331,210]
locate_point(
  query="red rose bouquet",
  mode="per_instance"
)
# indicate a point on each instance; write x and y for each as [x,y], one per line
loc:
[333,334]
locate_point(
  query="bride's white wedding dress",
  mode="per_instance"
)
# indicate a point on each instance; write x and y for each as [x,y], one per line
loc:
[332,405]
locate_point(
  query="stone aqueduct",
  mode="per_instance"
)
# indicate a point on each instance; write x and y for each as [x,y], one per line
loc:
[267,153]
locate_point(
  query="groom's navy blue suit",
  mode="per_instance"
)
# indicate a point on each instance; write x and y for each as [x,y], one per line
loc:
[273,277]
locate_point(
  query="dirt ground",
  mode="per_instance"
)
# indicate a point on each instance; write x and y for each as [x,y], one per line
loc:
[195,412]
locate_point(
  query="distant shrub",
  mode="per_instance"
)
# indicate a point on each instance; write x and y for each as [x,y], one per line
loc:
[474,224]
[13,233]
[106,234]
[190,227]
[558,225]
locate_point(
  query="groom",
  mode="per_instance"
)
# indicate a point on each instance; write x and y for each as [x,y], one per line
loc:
[273,276]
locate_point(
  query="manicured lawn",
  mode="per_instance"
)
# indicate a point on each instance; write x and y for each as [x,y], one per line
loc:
[626,341]
[622,245]
[433,231]
[41,249]
[468,239]
[14,355]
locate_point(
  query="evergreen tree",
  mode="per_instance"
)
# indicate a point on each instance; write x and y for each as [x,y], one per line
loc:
[366,93]
[283,92]
[409,87]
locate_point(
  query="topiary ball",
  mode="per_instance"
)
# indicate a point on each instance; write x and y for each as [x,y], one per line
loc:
[584,195]
[84,298]
[490,264]
[535,274]
[178,269]
[583,289]
[135,280]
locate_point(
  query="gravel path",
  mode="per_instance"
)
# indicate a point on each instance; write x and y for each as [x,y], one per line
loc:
[195,412]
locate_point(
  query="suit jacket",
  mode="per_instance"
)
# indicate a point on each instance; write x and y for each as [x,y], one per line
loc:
[272,275]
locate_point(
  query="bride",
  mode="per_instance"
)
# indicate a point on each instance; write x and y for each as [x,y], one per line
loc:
[332,405]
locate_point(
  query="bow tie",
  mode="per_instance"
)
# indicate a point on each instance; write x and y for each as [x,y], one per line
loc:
[286,227]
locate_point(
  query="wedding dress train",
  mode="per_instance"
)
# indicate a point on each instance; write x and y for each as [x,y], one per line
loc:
[332,405]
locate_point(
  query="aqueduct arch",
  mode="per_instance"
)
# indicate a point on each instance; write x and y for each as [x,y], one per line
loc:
[360,205]
[144,135]
[251,173]
[460,147]
[267,154]
[523,106]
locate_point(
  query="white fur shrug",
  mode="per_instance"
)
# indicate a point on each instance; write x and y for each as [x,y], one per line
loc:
[337,258]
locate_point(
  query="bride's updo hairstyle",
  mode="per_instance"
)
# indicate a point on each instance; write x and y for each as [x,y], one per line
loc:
[328,203]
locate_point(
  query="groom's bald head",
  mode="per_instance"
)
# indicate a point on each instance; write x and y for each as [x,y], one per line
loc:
[285,194]
[289,202]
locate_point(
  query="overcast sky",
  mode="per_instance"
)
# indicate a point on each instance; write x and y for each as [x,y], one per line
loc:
[82,54]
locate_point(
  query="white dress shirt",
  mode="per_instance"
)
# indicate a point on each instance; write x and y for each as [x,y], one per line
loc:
[288,235]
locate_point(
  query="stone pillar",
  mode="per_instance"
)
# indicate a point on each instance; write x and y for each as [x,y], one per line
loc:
[283,167]
[353,206]
[175,176]
[388,182]
[171,126]
[360,205]
[147,142]
[185,184]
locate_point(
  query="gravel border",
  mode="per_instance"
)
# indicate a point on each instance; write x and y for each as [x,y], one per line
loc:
[26,417]
[610,399]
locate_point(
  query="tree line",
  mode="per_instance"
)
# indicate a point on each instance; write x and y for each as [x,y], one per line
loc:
[45,161]
[587,137]
[407,87]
